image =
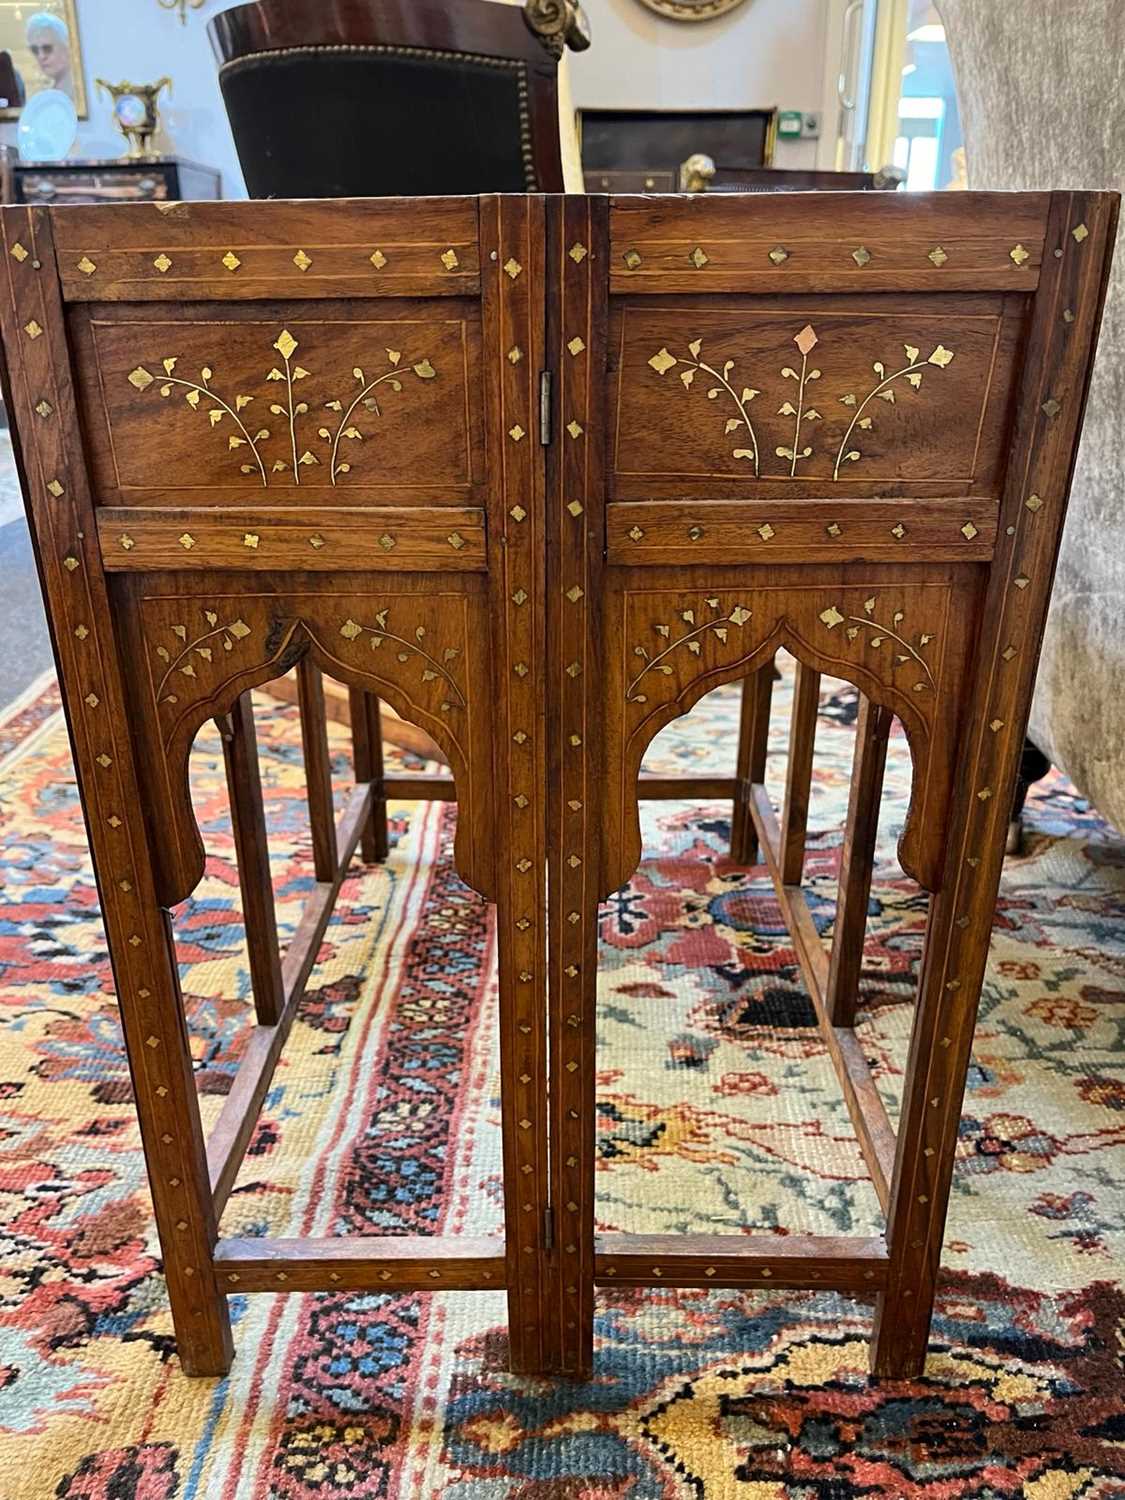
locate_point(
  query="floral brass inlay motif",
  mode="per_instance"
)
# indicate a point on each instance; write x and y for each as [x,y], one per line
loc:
[432,669]
[223,637]
[879,634]
[290,410]
[806,340]
[716,627]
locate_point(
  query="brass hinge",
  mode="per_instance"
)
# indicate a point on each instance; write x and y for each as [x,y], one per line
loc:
[545,408]
[548,1228]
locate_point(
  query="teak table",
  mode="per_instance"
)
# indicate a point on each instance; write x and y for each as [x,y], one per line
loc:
[540,472]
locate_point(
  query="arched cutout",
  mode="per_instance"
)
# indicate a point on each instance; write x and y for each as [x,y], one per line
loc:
[680,646]
[428,664]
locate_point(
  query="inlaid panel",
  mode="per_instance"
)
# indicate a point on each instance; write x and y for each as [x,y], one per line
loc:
[814,396]
[325,403]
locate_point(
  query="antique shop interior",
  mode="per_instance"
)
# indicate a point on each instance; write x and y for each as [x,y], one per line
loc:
[575,948]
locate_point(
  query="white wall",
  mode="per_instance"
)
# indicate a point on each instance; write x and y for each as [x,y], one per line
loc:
[140,41]
[765,53]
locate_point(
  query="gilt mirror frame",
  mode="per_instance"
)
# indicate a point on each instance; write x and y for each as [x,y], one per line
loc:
[13,39]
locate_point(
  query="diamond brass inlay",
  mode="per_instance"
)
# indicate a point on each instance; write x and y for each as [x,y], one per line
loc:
[70,563]
[377,259]
[251,539]
[938,256]
[516,433]
[455,540]
[231,261]
[632,259]
[861,255]
[44,408]
[765,531]
[899,531]
[574,594]
[127,542]
[1033,502]
[695,533]
[19,252]
[87,266]
[699,258]
[1080,232]
[515,354]
[517,513]
[449,259]
[55,488]
[519,597]
[1051,407]
[578,252]
[186,541]
[574,428]
[778,255]
[162,263]
[1018,254]
[316,540]
[386,541]
[32,329]
[575,507]
[302,261]
[968,531]
[576,346]
[512,268]
[140,378]
[636,533]
[832,529]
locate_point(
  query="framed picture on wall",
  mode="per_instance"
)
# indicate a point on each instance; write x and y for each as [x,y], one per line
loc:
[39,49]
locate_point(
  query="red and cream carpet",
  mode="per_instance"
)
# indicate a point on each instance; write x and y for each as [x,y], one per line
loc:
[717,1108]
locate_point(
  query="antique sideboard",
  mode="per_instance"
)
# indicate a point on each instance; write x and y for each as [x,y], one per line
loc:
[540,472]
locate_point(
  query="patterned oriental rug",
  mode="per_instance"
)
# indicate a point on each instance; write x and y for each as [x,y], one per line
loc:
[717,1108]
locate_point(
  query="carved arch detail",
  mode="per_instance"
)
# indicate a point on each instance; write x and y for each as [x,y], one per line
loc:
[678,645]
[424,653]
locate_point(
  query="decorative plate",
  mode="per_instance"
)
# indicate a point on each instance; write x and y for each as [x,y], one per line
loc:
[692,10]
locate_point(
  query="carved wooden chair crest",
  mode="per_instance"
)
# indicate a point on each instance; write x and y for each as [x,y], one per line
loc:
[541,472]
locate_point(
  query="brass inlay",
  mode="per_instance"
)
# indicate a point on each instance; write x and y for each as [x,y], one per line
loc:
[512,267]
[632,259]
[316,540]
[938,256]
[449,259]
[765,531]
[127,542]
[779,254]
[19,252]
[32,330]
[861,256]
[517,513]
[44,407]
[692,640]
[576,345]
[636,533]
[432,668]
[203,646]
[1021,582]
[911,372]
[662,361]
[387,542]
[968,531]
[1080,232]
[87,266]
[290,411]
[1018,254]
[81,632]
[377,259]
[70,563]
[699,258]
[806,342]
[521,669]
[186,541]
[515,354]
[1051,407]
[1008,652]
[455,540]
[251,539]
[231,261]
[574,428]
[516,433]
[695,533]
[1033,502]
[519,597]
[302,261]
[162,263]
[578,252]
[832,529]
[880,633]
[574,594]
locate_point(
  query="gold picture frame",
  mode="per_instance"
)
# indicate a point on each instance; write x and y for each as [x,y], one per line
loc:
[17,41]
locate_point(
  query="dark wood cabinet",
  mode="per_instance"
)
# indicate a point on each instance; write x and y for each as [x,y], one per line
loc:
[165,179]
